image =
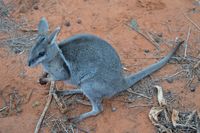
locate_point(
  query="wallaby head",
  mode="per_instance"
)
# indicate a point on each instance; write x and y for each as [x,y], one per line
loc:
[45,47]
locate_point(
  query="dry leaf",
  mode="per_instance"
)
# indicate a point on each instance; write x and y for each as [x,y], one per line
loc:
[161,99]
[175,117]
[153,114]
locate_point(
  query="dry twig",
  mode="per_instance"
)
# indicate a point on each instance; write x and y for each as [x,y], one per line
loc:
[59,103]
[131,91]
[2,109]
[28,97]
[46,107]
[145,36]
[141,105]
[197,26]
[186,42]
[190,117]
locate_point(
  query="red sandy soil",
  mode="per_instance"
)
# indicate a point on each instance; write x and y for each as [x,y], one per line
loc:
[107,19]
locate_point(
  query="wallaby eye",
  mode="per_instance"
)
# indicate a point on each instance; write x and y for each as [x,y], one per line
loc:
[42,39]
[41,54]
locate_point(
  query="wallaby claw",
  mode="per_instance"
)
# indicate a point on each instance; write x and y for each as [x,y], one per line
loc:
[59,93]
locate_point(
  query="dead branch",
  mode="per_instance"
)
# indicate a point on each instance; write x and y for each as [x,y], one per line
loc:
[190,117]
[197,26]
[145,36]
[28,97]
[131,91]
[83,102]
[2,109]
[141,105]
[29,30]
[186,42]
[46,107]
[59,103]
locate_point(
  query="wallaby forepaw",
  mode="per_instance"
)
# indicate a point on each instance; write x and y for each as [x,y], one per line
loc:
[59,93]
[42,81]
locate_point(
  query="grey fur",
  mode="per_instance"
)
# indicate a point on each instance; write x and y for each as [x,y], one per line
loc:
[88,62]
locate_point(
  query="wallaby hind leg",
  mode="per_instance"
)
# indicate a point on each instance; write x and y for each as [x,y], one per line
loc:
[96,109]
[69,92]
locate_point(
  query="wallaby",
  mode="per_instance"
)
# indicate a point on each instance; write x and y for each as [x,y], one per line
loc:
[88,62]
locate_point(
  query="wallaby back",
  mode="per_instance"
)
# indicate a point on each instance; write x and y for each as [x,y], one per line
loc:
[89,55]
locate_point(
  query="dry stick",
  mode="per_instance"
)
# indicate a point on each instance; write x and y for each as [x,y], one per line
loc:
[60,105]
[72,128]
[2,109]
[29,30]
[190,117]
[28,97]
[190,80]
[197,26]
[186,42]
[190,126]
[131,91]
[142,105]
[171,76]
[83,102]
[152,39]
[3,98]
[197,65]
[145,36]
[46,107]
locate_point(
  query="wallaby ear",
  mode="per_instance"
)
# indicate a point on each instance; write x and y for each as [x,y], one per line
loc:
[43,26]
[53,35]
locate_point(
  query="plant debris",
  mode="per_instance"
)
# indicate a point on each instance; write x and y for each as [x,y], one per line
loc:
[13,35]
[12,103]
[168,120]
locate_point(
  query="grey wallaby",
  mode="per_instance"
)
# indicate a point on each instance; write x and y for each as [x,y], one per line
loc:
[87,62]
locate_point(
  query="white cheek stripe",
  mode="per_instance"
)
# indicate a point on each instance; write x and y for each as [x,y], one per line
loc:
[38,61]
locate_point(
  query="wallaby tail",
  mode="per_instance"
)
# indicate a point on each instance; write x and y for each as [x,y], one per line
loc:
[134,78]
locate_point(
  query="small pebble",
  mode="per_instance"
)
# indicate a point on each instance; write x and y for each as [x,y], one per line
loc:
[192,88]
[114,109]
[17,50]
[169,94]
[170,80]
[146,51]
[79,21]
[19,110]
[35,7]
[36,104]
[160,34]
[67,23]
[65,118]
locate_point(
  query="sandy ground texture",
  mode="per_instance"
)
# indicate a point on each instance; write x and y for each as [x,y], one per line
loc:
[110,20]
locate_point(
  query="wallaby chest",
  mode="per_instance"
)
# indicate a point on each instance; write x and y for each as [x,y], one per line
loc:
[56,68]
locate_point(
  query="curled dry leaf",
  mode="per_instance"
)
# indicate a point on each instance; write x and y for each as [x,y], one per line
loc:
[175,117]
[161,99]
[153,114]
